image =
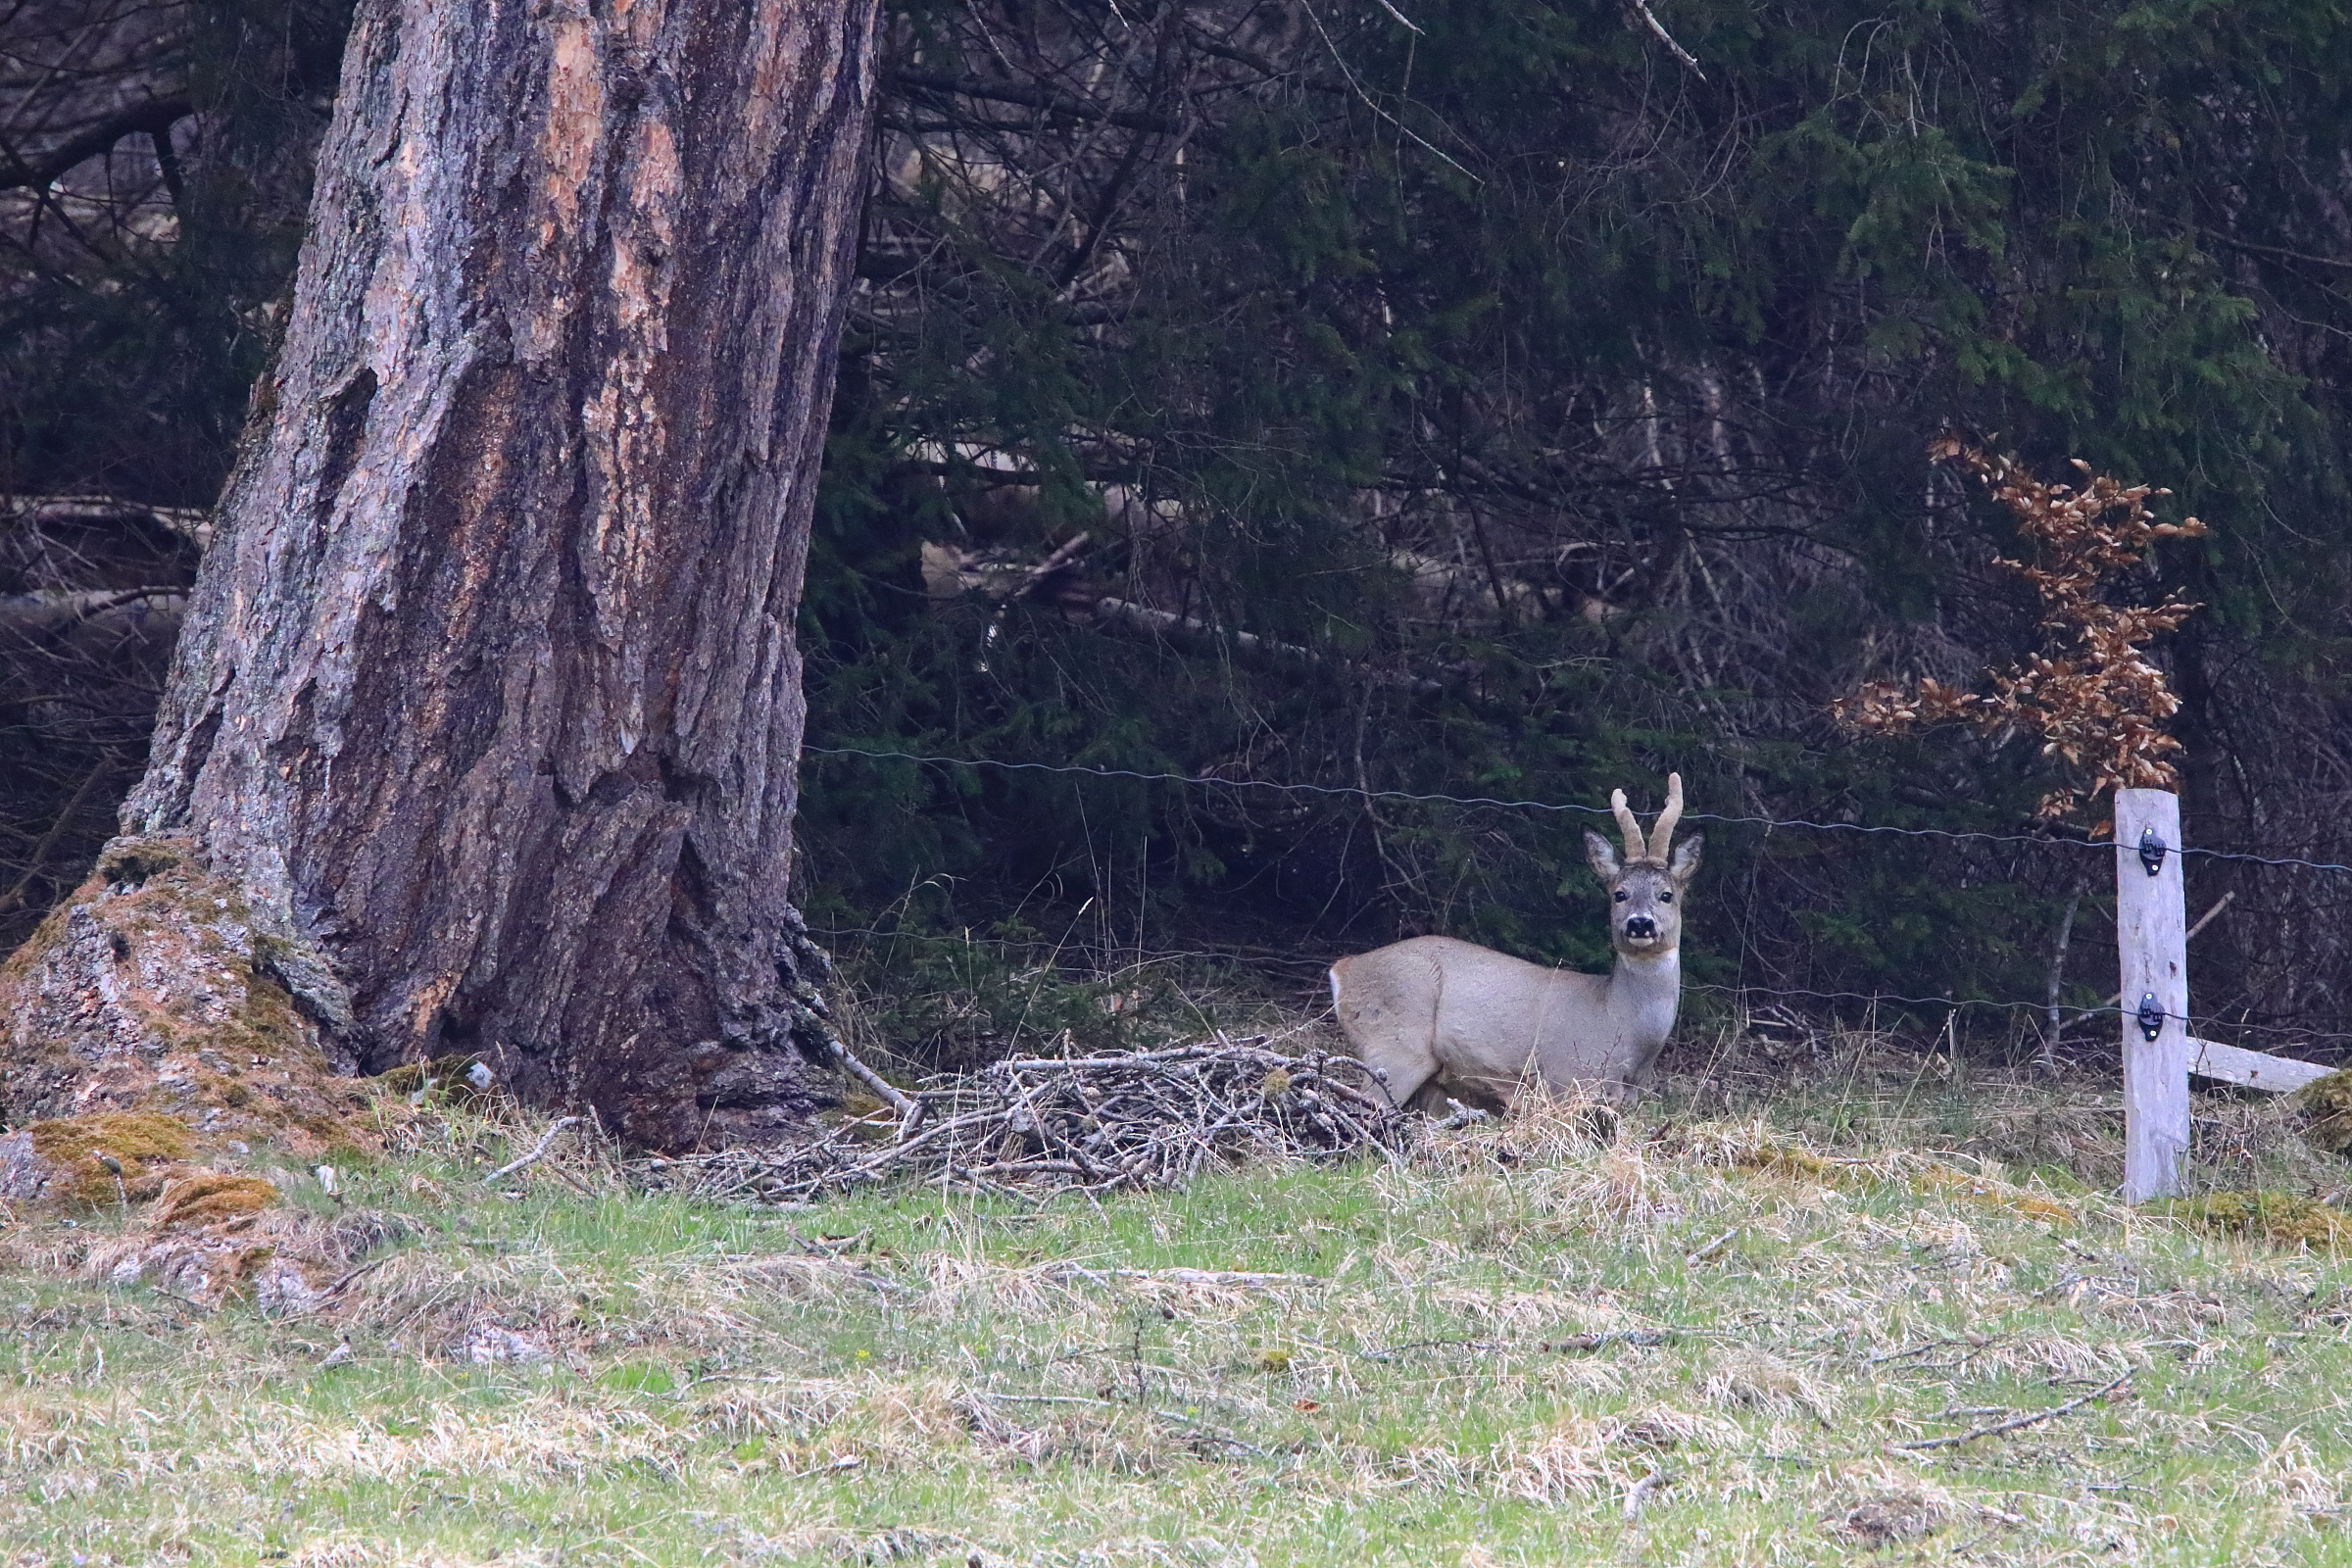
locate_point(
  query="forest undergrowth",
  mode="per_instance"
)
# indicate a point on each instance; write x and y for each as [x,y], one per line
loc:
[1838,1298]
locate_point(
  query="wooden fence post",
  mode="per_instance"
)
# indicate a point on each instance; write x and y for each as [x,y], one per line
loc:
[2151,932]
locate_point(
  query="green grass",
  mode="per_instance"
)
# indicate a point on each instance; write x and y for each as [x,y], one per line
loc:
[915,1378]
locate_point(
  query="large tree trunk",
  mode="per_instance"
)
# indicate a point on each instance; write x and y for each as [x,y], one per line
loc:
[487,705]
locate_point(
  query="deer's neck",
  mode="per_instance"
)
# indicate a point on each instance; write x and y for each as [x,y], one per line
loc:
[1644,990]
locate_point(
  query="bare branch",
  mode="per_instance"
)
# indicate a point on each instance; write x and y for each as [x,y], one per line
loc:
[1642,8]
[155,118]
[1006,92]
[2019,1422]
[538,1152]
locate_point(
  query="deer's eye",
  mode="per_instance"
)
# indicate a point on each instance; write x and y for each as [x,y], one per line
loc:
[1620,895]
[1665,898]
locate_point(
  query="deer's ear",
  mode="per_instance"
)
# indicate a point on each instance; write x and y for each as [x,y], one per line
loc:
[1602,855]
[1683,864]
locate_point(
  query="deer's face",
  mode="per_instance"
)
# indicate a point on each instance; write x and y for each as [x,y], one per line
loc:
[1646,910]
[1646,897]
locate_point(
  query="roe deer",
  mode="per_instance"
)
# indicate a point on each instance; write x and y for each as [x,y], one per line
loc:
[1434,1008]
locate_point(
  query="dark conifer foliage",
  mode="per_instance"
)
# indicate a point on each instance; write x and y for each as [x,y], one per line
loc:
[1550,412]
[1479,400]
[155,165]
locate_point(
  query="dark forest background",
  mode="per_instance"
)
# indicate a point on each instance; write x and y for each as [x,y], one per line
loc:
[1486,399]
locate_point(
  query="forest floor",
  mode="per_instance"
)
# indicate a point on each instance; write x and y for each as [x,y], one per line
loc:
[1889,1319]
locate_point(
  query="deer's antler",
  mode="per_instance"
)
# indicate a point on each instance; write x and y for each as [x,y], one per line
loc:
[1661,833]
[1628,825]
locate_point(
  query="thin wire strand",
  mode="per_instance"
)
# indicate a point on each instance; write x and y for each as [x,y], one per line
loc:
[1881,996]
[2264,859]
[2299,1031]
[2195,1025]
[1354,793]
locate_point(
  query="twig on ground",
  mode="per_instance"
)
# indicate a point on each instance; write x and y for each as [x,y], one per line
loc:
[1211,1433]
[1713,1246]
[1391,1352]
[350,1275]
[1187,1276]
[2021,1422]
[1461,1117]
[1638,1493]
[538,1151]
[1644,1338]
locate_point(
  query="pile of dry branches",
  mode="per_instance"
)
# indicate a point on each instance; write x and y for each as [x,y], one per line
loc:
[1127,1120]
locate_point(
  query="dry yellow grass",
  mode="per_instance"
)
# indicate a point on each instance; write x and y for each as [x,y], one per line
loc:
[1692,1341]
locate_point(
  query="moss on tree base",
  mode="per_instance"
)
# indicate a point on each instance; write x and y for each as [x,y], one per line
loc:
[155,1024]
[154,991]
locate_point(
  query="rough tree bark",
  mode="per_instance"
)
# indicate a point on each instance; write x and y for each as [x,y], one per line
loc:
[481,732]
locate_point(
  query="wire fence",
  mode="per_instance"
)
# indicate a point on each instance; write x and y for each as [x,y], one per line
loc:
[2070,1014]
[1502,802]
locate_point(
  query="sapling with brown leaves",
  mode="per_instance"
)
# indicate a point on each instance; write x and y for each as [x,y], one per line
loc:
[2094,696]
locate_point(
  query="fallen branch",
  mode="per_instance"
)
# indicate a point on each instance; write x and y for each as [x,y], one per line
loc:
[883,1089]
[546,1142]
[1120,613]
[2021,1422]
[154,118]
[191,523]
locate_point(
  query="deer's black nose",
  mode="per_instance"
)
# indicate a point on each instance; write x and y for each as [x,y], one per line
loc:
[1641,927]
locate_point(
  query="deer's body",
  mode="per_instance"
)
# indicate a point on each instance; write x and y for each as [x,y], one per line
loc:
[1433,1006]
[1437,1009]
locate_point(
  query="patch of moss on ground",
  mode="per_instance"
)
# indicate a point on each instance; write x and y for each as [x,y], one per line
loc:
[224,1089]
[2284,1219]
[210,1196]
[138,1142]
[267,1020]
[1983,1192]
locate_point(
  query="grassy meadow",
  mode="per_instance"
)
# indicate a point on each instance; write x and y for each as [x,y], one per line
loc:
[1892,1322]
